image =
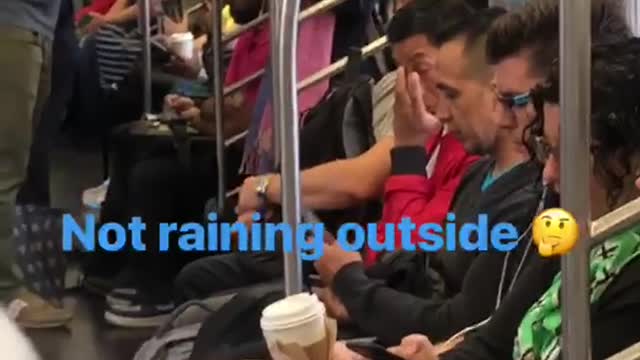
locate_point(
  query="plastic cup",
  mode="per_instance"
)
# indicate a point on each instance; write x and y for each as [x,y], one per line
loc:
[182,44]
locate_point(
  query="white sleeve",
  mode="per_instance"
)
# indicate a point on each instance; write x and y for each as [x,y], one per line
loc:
[383,100]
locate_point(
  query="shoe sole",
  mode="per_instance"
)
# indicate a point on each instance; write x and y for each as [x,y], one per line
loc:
[95,290]
[51,325]
[114,301]
[128,322]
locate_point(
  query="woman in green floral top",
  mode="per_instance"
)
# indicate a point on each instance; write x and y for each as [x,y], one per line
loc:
[615,265]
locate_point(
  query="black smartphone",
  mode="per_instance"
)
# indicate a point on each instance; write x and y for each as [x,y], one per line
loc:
[372,351]
[194,90]
[315,281]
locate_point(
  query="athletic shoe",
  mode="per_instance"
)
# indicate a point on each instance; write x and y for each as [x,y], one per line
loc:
[142,315]
[31,311]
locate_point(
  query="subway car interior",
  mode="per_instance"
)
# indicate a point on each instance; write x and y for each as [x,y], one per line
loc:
[320,179]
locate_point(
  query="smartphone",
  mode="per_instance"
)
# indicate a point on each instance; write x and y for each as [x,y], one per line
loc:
[315,281]
[372,351]
[194,90]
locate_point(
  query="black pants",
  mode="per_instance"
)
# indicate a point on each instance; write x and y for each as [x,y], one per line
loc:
[149,181]
[204,277]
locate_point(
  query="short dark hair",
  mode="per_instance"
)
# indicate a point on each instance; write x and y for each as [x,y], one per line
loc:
[535,27]
[473,27]
[426,17]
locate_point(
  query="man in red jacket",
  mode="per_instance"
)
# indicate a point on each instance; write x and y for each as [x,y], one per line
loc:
[413,50]
[423,193]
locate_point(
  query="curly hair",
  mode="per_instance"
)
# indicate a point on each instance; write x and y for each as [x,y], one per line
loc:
[615,109]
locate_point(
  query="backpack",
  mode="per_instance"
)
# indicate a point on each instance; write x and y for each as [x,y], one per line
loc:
[344,118]
[197,329]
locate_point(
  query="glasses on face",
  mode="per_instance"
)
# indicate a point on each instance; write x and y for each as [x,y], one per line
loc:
[513,102]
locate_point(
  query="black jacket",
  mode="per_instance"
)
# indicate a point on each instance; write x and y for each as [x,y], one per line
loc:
[614,317]
[471,279]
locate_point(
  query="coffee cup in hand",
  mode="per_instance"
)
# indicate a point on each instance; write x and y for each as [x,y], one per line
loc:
[298,326]
[182,44]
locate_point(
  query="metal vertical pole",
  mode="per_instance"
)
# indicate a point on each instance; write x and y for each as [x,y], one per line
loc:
[275,9]
[285,79]
[575,100]
[145,17]
[218,94]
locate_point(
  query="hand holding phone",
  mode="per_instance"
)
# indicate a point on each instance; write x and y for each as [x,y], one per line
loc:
[372,351]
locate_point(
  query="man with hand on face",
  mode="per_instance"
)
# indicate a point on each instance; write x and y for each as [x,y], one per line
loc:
[503,186]
[434,187]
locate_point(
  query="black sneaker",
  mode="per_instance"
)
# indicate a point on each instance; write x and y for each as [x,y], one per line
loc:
[98,285]
[124,296]
[142,315]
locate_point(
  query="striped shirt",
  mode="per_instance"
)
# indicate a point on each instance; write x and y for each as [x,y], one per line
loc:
[117,51]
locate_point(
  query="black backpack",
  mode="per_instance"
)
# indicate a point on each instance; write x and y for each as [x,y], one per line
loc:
[340,127]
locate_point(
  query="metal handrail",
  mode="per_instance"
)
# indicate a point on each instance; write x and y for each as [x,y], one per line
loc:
[615,222]
[339,66]
[575,102]
[313,10]
[630,353]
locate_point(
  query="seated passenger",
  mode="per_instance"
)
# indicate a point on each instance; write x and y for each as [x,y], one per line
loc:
[159,189]
[517,44]
[412,48]
[503,187]
[615,264]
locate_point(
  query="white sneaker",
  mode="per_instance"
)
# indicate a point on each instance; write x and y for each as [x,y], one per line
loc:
[94,197]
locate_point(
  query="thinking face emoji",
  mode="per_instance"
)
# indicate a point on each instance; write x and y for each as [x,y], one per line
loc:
[555,232]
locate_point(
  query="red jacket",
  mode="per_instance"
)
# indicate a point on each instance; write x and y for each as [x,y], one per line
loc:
[98,6]
[421,198]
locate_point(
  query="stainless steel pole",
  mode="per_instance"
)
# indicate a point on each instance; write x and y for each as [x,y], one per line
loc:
[145,17]
[275,9]
[575,99]
[286,82]
[218,94]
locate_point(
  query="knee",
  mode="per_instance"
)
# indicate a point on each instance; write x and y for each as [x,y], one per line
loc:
[153,176]
[185,285]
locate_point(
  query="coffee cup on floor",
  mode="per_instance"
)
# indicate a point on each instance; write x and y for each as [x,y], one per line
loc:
[297,328]
[182,44]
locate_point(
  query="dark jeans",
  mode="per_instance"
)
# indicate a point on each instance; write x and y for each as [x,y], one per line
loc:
[207,276]
[149,181]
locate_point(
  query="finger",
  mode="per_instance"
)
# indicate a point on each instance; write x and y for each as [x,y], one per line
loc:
[418,105]
[246,218]
[191,115]
[399,351]
[401,94]
[416,93]
[329,239]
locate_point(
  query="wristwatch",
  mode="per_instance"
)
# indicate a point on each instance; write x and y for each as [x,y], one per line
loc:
[261,188]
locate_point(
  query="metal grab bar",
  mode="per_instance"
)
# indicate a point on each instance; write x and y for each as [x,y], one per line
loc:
[630,353]
[339,66]
[286,115]
[313,10]
[615,222]
[575,101]
[218,93]
[145,19]
[331,70]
